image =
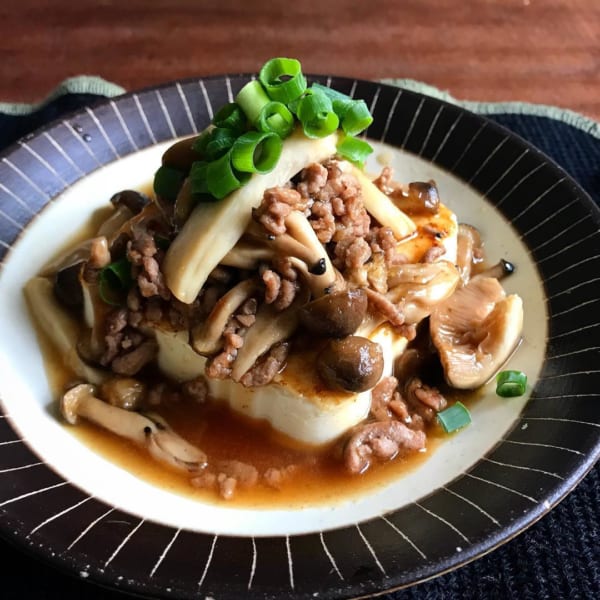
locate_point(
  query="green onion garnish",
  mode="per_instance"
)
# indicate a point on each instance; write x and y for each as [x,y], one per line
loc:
[354,150]
[511,383]
[315,112]
[331,93]
[114,281]
[198,185]
[220,142]
[222,179]
[230,117]
[199,145]
[275,117]
[282,79]
[251,99]
[168,182]
[256,152]
[455,417]
[356,117]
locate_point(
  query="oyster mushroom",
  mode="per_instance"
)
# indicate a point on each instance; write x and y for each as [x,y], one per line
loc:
[421,286]
[149,431]
[475,331]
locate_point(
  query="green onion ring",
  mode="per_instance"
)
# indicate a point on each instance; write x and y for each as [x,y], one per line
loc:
[199,145]
[354,150]
[454,417]
[511,383]
[275,117]
[114,281]
[198,178]
[221,178]
[356,118]
[282,79]
[220,142]
[251,99]
[256,152]
[168,182]
[315,112]
[331,93]
[231,117]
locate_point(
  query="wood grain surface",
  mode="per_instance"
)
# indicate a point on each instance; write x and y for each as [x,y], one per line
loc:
[544,51]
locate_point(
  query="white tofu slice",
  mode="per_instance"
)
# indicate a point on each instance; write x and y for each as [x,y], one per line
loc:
[295,403]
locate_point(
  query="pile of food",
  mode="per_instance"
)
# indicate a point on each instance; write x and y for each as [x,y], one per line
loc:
[269,272]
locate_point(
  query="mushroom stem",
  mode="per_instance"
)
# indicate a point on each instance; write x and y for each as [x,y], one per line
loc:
[149,431]
[206,338]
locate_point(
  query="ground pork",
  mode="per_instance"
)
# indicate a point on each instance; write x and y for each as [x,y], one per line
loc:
[267,366]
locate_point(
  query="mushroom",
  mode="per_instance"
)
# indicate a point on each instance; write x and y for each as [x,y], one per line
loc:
[213,228]
[271,327]
[420,198]
[307,254]
[335,315]
[421,286]
[149,431]
[123,392]
[67,288]
[352,364]
[381,206]
[469,250]
[475,331]
[181,155]
[206,337]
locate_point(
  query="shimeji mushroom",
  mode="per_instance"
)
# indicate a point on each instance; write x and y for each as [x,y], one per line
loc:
[206,337]
[475,331]
[149,431]
[271,327]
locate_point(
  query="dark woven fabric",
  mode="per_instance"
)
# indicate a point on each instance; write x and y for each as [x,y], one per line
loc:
[557,558]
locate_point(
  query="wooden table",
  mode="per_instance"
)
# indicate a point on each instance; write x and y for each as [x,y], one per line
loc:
[544,51]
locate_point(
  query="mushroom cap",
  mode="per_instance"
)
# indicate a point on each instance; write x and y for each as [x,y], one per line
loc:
[71,399]
[475,331]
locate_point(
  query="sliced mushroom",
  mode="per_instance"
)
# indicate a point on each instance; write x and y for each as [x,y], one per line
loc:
[149,431]
[420,198]
[475,331]
[206,337]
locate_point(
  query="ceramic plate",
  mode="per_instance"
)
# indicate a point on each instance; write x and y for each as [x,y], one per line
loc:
[478,489]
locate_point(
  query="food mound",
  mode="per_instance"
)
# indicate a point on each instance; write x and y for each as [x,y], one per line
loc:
[270,273]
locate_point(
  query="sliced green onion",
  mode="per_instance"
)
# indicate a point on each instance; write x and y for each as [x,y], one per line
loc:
[256,152]
[198,177]
[315,112]
[231,117]
[354,150]
[220,142]
[222,179]
[356,117]
[331,93]
[455,417]
[282,79]
[251,99]
[114,281]
[168,182]
[199,146]
[275,117]
[511,383]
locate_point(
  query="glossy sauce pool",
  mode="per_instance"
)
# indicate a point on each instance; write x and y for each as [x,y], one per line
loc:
[319,476]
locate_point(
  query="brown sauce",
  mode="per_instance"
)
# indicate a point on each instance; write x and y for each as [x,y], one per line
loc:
[319,475]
